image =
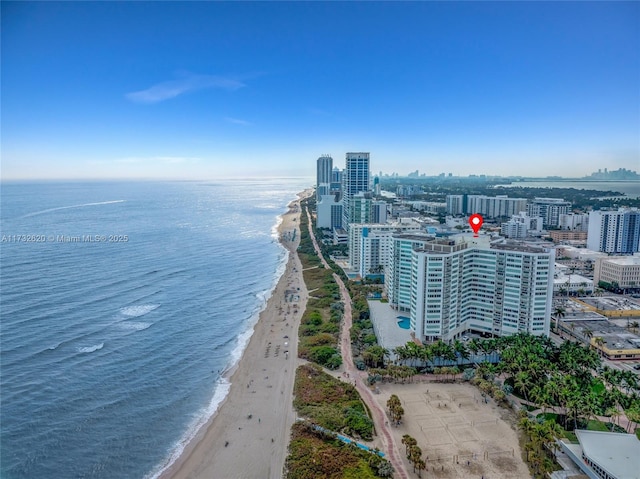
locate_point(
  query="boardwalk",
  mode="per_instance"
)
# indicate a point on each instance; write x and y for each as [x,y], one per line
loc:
[379,417]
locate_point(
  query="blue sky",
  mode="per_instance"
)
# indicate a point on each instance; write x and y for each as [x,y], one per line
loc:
[228,89]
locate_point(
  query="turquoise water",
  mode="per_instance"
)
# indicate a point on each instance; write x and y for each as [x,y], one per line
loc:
[123,303]
[404,322]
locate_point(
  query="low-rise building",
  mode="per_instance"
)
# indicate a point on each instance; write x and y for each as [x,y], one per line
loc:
[604,455]
[622,271]
[559,236]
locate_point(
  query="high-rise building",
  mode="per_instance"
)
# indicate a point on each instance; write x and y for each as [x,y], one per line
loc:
[370,244]
[379,212]
[495,206]
[397,277]
[549,209]
[468,285]
[323,177]
[336,181]
[355,179]
[614,232]
[360,208]
[574,222]
[521,226]
[456,204]
[329,212]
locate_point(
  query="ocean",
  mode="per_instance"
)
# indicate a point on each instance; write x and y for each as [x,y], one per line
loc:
[122,304]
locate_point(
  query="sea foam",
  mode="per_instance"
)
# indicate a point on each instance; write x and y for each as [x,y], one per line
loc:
[137,311]
[201,419]
[90,349]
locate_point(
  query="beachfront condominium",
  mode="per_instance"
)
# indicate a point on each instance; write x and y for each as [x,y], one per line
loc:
[397,275]
[355,179]
[614,232]
[370,245]
[323,176]
[468,285]
[550,209]
[329,212]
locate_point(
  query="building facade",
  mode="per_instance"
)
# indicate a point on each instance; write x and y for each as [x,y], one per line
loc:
[324,168]
[456,204]
[458,286]
[614,232]
[495,206]
[329,212]
[567,235]
[625,271]
[397,278]
[550,209]
[575,222]
[355,179]
[521,226]
[370,245]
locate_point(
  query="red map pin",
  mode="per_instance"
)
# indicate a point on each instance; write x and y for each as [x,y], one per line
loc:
[475,221]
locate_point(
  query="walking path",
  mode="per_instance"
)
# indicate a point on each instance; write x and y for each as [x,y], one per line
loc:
[379,416]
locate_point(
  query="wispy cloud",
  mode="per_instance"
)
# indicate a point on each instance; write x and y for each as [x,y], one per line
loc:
[237,121]
[187,82]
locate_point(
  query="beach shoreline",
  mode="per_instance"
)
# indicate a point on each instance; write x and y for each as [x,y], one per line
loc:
[248,435]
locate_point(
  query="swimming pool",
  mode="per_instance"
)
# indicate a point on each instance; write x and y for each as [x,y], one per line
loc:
[404,322]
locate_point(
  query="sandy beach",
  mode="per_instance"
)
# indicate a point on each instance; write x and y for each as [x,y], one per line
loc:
[460,434]
[249,435]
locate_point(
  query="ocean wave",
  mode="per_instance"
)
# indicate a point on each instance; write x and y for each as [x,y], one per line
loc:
[134,325]
[274,228]
[139,310]
[72,206]
[90,349]
[205,414]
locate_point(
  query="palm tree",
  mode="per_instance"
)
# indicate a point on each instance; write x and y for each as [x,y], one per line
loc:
[558,314]
[421,466]
[408,442]
[461,351]
[401,353]
[613,413]
[474,346]
[415,455]
[426,354]
[599,342]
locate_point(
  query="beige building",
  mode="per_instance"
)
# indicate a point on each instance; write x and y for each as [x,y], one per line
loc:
[625,271]
[566,235]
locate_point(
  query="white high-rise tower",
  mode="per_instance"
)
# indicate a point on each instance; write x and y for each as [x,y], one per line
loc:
[355,179]
[323,178]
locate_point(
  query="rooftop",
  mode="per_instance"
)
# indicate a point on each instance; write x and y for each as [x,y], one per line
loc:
[614,452]
[509,246]
[624,260]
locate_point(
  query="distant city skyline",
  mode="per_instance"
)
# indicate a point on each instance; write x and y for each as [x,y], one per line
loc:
[197,90]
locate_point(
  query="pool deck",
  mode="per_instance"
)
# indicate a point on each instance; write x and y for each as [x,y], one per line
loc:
[385,323]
